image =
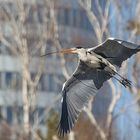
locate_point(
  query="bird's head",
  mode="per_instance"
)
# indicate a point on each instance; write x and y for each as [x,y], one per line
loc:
[80,51]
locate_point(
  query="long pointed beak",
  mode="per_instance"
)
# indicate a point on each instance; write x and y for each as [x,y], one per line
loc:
[64,51]
[68,51]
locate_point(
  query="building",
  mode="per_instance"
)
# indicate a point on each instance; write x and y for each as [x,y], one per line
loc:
[74,29]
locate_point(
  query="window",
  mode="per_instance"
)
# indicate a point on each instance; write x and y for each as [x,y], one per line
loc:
[32,116]
[60,16]
[33,76]
[82,19]
[88,24]
[75,19]
[59,80]
[12,80]
[40,111]
[39,86]
[40,16]
[18,81]
[30,16]
[8,79]
[0,80]
[66,16]
[49,48]
[20,114]
[36,115]
[1,48]
[50,83]
[42,86]
[9,115]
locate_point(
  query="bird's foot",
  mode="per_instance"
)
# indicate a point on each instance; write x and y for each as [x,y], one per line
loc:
[126,83]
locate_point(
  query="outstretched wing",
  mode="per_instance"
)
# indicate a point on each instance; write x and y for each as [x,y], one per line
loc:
[116,50]
[77,91]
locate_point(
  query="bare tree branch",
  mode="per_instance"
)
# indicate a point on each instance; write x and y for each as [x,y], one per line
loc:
[94,122]
[56,38]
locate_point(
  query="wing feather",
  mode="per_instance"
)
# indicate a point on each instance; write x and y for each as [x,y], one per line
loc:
[77,91]
[118,49]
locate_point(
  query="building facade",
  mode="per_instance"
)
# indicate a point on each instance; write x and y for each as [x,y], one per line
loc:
[73,28]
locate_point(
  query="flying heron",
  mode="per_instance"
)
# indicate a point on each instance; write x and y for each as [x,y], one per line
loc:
[96,65]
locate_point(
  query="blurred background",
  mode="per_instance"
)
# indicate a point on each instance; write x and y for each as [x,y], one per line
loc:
[30,85]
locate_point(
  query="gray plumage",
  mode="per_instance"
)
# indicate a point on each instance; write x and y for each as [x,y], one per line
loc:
[119,49]
[87,79]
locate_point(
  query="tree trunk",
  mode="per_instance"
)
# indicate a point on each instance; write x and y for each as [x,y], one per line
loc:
[25,99]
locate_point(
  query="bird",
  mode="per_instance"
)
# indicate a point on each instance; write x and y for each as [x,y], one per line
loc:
[96,65]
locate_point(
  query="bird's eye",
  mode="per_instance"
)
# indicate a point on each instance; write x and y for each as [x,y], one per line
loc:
[89,52]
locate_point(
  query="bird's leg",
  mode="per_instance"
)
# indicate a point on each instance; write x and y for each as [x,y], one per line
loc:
[112,71]
[125,82]
[119,80]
